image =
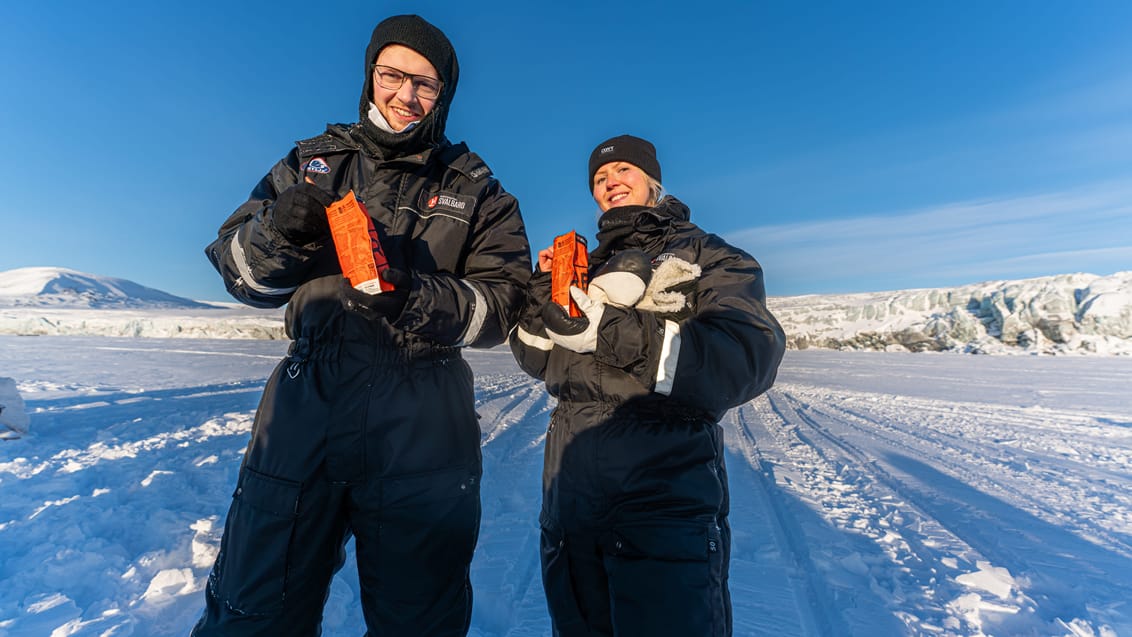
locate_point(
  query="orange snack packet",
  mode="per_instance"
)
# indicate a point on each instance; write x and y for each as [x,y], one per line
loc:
[355,240]
[569,267]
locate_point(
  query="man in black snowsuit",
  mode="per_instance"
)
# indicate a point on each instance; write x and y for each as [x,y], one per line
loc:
[368,426]
[675,331]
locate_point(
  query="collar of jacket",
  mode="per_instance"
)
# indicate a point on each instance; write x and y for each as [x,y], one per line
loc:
[637,227]
[386,146]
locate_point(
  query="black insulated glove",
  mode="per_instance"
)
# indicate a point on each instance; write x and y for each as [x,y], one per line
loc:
[299,214]
[387,305]
[575,333]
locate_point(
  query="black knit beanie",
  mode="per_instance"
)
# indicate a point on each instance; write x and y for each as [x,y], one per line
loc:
[626,148]
[421,36]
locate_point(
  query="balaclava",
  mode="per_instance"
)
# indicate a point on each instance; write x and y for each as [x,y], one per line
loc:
[424,38]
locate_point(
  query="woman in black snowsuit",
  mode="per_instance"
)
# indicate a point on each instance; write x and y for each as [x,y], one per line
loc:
[635,539]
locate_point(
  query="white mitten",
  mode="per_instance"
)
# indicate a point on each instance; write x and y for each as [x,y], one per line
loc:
[621,281]
[672,289]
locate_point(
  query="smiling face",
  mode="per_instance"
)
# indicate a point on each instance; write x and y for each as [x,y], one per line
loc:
[403,106]
[620,183]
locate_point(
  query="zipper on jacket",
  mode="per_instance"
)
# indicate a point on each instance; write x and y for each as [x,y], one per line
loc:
[361,179]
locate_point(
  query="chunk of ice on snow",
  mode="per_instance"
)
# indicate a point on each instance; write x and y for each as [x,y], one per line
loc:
[993,579]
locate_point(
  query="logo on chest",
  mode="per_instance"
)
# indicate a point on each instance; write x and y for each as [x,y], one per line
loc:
[665,256]
[447,203]
[316,165]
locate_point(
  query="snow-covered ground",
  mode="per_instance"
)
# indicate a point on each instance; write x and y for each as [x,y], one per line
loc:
[872,493]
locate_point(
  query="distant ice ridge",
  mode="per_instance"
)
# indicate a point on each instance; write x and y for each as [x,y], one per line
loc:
[1070,313]
[237,322]
[1064,314]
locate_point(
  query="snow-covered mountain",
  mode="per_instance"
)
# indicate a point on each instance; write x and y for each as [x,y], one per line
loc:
[56,301]
[60,287]
[1070,313]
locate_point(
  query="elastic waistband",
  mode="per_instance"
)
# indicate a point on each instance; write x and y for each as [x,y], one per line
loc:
[305,348]
[644,410]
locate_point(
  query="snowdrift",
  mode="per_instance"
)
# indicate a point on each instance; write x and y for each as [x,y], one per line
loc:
[13,417]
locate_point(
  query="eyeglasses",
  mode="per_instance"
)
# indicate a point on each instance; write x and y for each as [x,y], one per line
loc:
[424,86]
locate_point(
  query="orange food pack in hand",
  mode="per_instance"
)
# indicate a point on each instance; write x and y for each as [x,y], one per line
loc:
[355,240]
[569,267]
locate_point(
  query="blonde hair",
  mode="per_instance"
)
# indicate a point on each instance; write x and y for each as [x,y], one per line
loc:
[656,191]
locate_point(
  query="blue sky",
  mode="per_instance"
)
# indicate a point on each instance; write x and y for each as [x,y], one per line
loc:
[848,146]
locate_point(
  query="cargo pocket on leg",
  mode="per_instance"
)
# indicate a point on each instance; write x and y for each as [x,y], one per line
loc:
[415,552]
[666,578]
[253,561]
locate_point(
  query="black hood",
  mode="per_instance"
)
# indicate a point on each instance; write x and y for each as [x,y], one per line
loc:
[424,38]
